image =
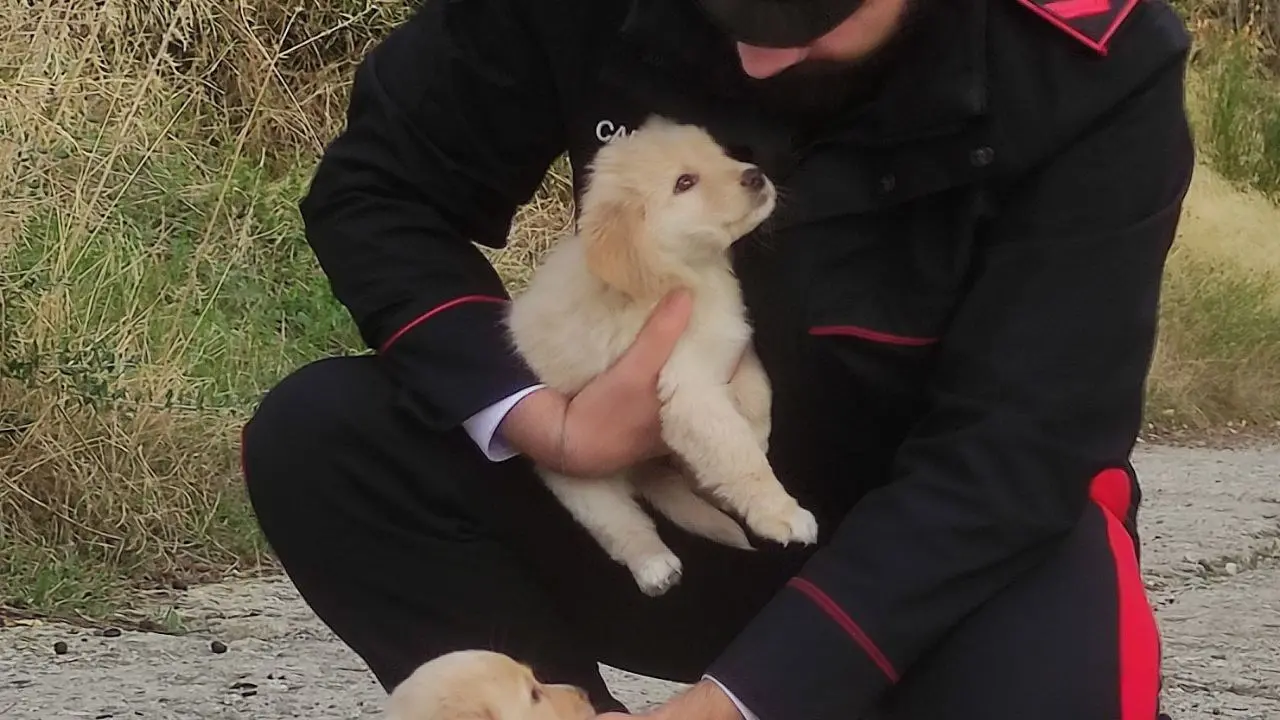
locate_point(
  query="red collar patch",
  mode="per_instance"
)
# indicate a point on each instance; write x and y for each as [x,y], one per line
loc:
[1092,22]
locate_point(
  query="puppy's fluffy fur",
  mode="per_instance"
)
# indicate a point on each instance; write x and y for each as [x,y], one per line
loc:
[661,209]
[483,685]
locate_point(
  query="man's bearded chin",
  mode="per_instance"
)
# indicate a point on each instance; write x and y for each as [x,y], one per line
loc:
[814,90]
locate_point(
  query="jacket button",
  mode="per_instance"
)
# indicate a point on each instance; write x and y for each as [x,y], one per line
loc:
[982,157]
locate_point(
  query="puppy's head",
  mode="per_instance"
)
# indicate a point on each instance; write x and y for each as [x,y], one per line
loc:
[483,685]
[666,197]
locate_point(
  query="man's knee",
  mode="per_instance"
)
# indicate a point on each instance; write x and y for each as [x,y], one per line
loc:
[331,442]
[302,423]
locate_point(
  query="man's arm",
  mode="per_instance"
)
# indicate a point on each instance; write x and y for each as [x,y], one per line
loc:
[482,427]
[453,121]
[1039,389]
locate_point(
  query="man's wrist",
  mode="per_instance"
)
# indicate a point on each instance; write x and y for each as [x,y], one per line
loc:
[535,426]
[744,712]
[482,427]
[704,701]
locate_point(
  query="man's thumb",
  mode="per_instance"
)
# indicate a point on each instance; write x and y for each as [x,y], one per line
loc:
[661,331]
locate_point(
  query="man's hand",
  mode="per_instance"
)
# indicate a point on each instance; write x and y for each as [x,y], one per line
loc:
[611,423]
[703,701]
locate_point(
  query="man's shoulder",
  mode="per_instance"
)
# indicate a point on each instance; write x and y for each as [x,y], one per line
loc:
[1054,69]
[568,33]
[572,22]
[557,25]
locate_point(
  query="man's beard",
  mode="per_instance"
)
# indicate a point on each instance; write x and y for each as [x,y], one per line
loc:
[814,91]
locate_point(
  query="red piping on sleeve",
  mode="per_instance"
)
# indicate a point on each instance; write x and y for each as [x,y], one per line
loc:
[829,606]
[872,335]
[437,309]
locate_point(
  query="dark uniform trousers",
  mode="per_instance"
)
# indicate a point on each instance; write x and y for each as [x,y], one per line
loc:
[409,544]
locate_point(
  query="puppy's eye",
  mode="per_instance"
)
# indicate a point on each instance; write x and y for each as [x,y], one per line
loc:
[536,694]
[685,181]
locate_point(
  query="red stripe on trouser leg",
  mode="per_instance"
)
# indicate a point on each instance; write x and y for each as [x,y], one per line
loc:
[1139,636]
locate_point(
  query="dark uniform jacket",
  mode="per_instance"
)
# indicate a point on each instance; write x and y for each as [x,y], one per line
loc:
[956,303]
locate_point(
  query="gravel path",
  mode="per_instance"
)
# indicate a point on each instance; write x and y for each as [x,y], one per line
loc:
[1211,551]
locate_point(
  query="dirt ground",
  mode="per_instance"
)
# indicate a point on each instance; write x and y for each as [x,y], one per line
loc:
[1211,529]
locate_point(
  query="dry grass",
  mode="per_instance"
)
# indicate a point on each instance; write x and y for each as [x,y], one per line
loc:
[154,280]
[1235,103]
[1218,362]
[1218,359]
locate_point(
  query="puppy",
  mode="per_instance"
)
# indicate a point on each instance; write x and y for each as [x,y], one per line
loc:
[483,685]
[661,208]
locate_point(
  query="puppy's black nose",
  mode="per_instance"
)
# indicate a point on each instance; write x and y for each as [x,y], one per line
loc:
[753,179]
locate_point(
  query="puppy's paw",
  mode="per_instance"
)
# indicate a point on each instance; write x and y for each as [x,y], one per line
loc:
[657,574]
[804,526]
[786,525]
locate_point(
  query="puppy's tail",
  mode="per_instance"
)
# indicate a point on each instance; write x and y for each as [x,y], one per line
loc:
[670,494]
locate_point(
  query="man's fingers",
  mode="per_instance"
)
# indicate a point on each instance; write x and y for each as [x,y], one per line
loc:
[660,333]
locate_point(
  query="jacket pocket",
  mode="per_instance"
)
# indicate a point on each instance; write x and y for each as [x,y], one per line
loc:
[867,302]
[874,323]
[870,335]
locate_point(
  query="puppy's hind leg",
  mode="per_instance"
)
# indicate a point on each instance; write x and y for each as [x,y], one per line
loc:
[669,492]
[702,425]
[608,511]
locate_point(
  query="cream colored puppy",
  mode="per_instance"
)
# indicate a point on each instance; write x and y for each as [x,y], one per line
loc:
[483,685]
[661,209]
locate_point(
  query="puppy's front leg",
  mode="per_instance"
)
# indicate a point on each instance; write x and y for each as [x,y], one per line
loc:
[701,424]
[752,394]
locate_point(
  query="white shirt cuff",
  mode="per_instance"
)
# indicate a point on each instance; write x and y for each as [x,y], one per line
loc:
[746,714]
[483,426]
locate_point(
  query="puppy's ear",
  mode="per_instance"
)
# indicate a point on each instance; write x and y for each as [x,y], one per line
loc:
[618,250]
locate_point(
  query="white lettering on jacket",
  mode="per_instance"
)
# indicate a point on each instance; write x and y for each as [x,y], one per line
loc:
[606,130]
